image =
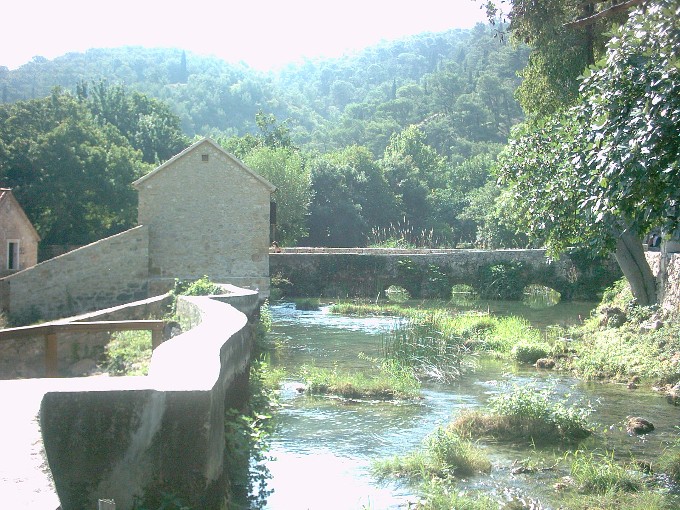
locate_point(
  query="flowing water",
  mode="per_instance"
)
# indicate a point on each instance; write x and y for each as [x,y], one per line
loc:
[323,447]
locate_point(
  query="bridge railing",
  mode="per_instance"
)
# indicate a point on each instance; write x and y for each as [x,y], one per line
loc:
[51,331]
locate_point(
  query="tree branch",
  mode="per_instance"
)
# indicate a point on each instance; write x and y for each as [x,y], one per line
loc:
[614,9]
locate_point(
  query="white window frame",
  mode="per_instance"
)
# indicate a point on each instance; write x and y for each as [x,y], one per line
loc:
[17,253]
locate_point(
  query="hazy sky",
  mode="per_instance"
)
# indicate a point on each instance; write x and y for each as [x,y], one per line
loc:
[262,33]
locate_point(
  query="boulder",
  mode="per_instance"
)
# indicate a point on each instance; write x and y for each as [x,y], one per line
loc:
[638,426]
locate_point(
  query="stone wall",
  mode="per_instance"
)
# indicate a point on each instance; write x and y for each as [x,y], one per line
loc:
[666,268]
[119,437]
[207,215]
[431,273]
[108,272]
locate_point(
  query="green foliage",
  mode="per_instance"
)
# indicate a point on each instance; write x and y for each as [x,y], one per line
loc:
[601,474]
[440,496]
[527,414]
[396,294]
[307,304]
[201,287]
[286,170]
[70,170]
[444,455]
[159,500]
[128,353]
[529,351]
[247,433]
[392,381]
[501,281]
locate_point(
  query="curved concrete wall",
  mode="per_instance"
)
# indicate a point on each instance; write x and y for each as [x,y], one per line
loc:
[113,438]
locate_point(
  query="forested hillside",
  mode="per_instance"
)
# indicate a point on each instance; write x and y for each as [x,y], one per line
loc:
[392,144]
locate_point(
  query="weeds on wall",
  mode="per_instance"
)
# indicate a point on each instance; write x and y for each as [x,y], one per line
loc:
[247,430]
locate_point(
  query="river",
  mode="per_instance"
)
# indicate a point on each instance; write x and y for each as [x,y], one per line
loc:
[323,447]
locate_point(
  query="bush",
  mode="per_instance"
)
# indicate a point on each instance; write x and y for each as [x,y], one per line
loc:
[128,353]
[527,351]
[526,414]
[201,287]
[444,455]
[396,294]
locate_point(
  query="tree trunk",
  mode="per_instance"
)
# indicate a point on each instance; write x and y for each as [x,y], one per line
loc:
[631,259]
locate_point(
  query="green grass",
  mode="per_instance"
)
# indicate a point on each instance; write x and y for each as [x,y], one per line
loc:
[600,474]
[528,415]
[444,455]
[389,382]
[128,353]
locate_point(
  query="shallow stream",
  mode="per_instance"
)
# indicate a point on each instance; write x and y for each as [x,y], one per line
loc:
[323,447]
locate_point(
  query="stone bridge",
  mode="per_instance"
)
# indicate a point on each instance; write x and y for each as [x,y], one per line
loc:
[430,273]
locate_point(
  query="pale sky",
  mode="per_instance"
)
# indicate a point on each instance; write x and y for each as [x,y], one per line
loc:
[263,33]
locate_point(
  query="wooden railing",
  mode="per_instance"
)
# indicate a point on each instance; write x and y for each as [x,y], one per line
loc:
[50,331]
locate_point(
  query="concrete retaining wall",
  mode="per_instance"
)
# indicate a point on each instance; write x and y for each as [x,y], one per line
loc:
[115,438]
[429,273]
[108,272]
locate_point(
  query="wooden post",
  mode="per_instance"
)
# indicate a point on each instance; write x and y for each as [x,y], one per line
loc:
[156,337]
[51,356]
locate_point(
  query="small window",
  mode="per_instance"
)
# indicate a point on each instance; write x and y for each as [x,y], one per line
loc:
[12,255]
[204,157]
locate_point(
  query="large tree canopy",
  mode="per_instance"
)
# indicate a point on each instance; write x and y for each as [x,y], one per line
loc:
[606,170]
[71,173]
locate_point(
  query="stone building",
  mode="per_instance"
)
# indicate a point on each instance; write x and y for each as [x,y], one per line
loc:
[200,213]
[18,239]
[207,214]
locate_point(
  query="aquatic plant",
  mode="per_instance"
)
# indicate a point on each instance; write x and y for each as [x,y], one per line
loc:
[444,454]
[595,473]
[307,304]
[428,343]
[440,495]
[529,351]
[527,414]
[390,381]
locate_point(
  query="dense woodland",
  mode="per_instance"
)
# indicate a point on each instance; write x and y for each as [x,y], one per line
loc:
[392,138]
[557,125]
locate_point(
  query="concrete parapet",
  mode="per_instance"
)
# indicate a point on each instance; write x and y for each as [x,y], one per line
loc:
[117,437]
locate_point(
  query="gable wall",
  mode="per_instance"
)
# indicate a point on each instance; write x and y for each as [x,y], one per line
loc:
[206,218]
[14,225]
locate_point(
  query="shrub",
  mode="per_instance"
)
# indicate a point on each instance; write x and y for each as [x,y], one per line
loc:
[444,455]
[307,304]
[526,414]
[201,287]
[128,353]
[396,294]
[527,351]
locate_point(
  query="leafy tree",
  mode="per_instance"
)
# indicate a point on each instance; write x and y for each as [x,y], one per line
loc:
[351,197]
[606,171]
[71,174]
[285,169]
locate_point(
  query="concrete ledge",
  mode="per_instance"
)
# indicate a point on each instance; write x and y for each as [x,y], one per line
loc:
[115,437]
